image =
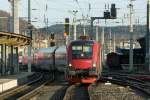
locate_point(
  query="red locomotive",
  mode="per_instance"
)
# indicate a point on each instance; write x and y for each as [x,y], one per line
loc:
[84,61]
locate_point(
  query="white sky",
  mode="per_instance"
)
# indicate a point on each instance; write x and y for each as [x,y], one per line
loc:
[58,9]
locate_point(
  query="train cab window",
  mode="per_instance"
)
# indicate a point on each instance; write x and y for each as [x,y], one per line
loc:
[82,51]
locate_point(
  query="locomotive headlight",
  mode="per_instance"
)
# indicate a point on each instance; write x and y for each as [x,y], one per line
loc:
[94,64]
[70,64]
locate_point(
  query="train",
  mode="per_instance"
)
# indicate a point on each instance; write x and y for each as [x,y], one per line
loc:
[84,61]
[117,60]
[114,61]
[47,59]
[80,60]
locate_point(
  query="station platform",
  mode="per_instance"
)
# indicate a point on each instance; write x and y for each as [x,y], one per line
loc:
[10,81]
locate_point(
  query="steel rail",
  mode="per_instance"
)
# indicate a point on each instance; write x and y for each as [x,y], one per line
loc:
[35,91]
[77,92]
[19,88]
[143,87]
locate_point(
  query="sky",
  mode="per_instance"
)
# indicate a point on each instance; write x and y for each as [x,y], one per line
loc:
[58,10]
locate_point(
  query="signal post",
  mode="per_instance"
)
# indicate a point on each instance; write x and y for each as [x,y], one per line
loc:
[67,30]
[112,14]
[147,58]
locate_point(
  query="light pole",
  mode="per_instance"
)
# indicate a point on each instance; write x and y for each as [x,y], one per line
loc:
[75,27]
[97,39]
[131,36]
[14,28]
[15,17]
[148,37]
[102,44]
[30,35]
[74,12]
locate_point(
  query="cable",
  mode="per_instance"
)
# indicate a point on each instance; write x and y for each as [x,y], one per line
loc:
[79,7]
[37,2]
[67,3]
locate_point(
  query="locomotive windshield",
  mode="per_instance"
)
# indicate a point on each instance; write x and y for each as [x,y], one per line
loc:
[82,51]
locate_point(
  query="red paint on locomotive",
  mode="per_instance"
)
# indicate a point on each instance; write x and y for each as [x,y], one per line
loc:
[84,62]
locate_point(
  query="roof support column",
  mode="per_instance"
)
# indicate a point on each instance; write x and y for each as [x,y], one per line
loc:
[11,61]
[4,59]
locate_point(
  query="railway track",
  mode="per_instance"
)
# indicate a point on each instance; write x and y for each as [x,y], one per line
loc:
[77,92]
[50,90]
[136,84]
[20,91]
[116,87]
[35,91]
[81,93]
[58,90]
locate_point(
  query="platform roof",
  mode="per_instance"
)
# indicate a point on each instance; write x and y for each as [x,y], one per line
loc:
[14,39]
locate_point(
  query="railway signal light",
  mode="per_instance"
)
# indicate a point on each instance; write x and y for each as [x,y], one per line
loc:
[52,36]
[52,39]
[113,11]
[66,32]
[106,14]
[112,14]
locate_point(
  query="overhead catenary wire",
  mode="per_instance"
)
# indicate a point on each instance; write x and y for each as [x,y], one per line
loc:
[79,7]
[65,5]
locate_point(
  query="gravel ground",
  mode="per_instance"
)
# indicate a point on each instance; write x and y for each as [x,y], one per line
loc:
[102,91]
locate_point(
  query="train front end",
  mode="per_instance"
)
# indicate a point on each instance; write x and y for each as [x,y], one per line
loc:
[83,61]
